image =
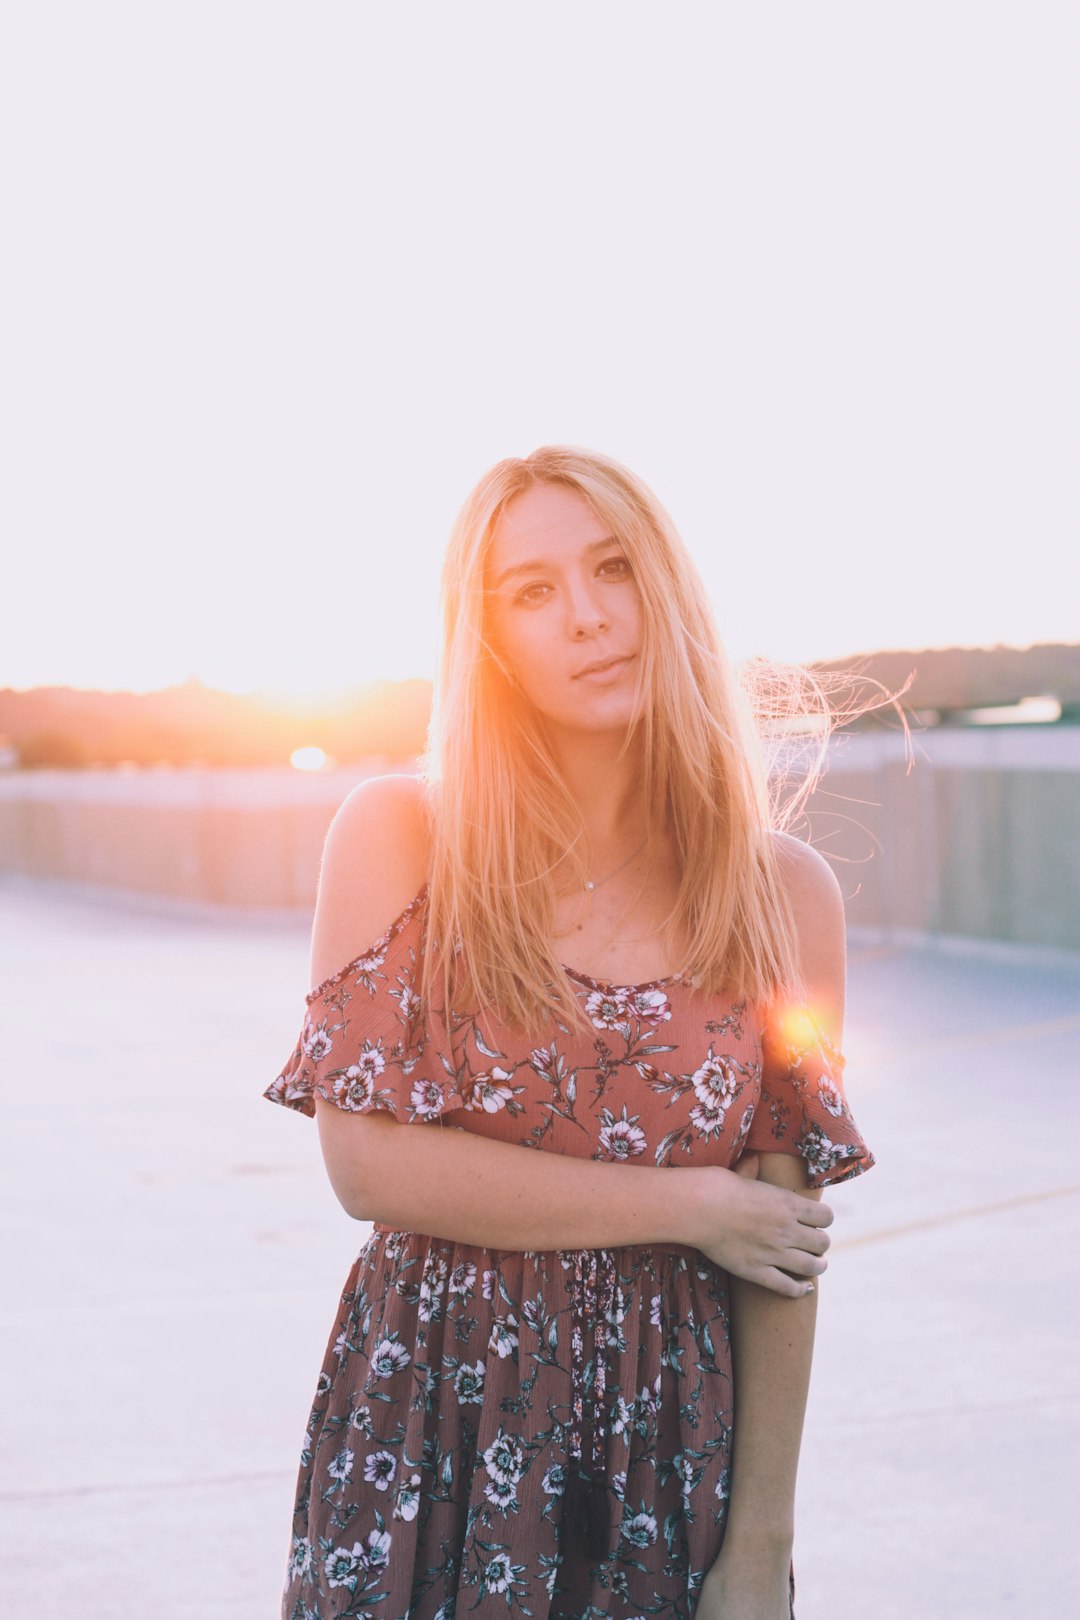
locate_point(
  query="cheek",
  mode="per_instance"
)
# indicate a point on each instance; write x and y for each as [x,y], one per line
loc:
[532,653]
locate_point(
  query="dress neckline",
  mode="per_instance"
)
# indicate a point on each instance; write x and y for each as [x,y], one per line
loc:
[610,988]
[603,986]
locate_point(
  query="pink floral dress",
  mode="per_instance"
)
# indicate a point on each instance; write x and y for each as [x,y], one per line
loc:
[547,1433]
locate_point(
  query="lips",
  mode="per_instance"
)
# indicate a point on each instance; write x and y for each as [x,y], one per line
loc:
[602,664]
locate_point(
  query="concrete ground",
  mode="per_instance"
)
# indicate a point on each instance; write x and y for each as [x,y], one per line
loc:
[174,1256]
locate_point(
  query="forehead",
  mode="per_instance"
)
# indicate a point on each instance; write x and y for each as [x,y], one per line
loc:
[544,520]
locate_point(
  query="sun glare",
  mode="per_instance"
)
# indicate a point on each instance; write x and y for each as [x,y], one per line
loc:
[799,1027]
[307,759]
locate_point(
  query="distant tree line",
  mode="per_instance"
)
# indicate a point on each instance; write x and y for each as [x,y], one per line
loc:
[195,725]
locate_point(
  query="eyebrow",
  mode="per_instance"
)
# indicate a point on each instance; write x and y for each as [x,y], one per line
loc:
[539,563]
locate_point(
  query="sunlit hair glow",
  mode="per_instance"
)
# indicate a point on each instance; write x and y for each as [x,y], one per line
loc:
[502,818]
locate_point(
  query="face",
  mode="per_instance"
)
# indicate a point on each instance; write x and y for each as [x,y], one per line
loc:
[561,598]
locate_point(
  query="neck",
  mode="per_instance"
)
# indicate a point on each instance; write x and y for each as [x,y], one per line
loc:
[607,790]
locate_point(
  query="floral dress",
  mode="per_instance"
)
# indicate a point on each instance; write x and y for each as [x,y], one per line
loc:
[544,1433]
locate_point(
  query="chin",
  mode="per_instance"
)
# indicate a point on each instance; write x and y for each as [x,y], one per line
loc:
[592,718]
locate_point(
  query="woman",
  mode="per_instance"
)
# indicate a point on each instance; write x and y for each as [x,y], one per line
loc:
[563,1383]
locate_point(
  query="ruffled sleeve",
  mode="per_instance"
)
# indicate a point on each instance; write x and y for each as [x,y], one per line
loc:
[364,1044]
[803,1109]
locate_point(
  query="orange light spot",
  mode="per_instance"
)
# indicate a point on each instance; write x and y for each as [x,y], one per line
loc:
[798,1026]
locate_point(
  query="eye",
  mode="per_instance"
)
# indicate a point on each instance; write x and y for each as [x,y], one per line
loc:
[528,593]
[621,565]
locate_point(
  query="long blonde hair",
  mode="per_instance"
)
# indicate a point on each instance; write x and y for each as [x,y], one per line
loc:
[502,817]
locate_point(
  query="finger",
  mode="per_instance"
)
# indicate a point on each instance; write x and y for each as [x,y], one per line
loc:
[814,1214]
[814,1239]
[778,1282]
[803,1264]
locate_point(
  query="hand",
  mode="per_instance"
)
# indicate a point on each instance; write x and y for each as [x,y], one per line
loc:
[762,1233]
[746,1589]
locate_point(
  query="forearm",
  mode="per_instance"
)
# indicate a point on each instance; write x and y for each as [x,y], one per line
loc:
[451,1184]
[772,1347]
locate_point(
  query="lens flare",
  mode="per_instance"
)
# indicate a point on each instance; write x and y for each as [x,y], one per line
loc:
[307,759]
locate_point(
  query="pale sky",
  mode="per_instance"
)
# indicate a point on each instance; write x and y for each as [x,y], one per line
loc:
[281,281]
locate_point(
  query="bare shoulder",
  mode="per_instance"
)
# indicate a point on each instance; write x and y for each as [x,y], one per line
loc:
[809,880]
[817,906]
[375,860]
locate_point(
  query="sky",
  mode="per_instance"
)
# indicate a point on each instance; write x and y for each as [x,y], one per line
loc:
[282,282]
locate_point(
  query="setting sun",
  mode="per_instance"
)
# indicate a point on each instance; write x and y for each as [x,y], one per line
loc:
[308,759]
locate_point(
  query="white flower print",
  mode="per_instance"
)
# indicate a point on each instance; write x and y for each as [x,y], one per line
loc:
[469,1383]
[607,1009]
[342,1568]
[408,1000]
[341,1466]
[654,1312]
[379,1469]
[504,1339]
[649,1399]
[497,1574]
[503,1458]
[428,1099]
[431,1286]
[353,1089]
[622,1417]
[621,1138]
[685,1472]
[820,1153]
[488,1285]
[360,1419]
[388,1358]
[463,1278]
[830,1097]
[652,1005]
[707,1120]
[375,1551]
[744,1126]
[301,1561]
[554,1481]
[487,1092]
[315,1041]
[408,1498]
[367,966]
[501,1494]
[715,1083]
[620,1304]
[618,1485]
[640,1531]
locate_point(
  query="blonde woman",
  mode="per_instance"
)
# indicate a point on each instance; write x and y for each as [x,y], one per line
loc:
[572,1046]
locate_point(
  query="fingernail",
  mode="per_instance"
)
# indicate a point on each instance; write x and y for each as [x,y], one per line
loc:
[809,1289]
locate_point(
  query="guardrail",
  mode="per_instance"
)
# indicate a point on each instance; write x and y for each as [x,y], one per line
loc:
[979,837]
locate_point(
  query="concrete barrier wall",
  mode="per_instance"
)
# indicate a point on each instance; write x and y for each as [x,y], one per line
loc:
[979,835]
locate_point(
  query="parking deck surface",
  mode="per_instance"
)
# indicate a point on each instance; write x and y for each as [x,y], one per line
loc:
[174,1256]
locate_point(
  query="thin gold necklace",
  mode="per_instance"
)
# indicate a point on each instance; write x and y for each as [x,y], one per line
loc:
[589,884]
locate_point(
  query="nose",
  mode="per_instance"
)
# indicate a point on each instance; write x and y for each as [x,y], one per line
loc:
[585,612]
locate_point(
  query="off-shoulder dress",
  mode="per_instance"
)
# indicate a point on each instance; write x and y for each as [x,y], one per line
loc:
[544,1433]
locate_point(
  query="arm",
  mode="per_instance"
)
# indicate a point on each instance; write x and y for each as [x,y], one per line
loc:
[773,1338]
[442,1180]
